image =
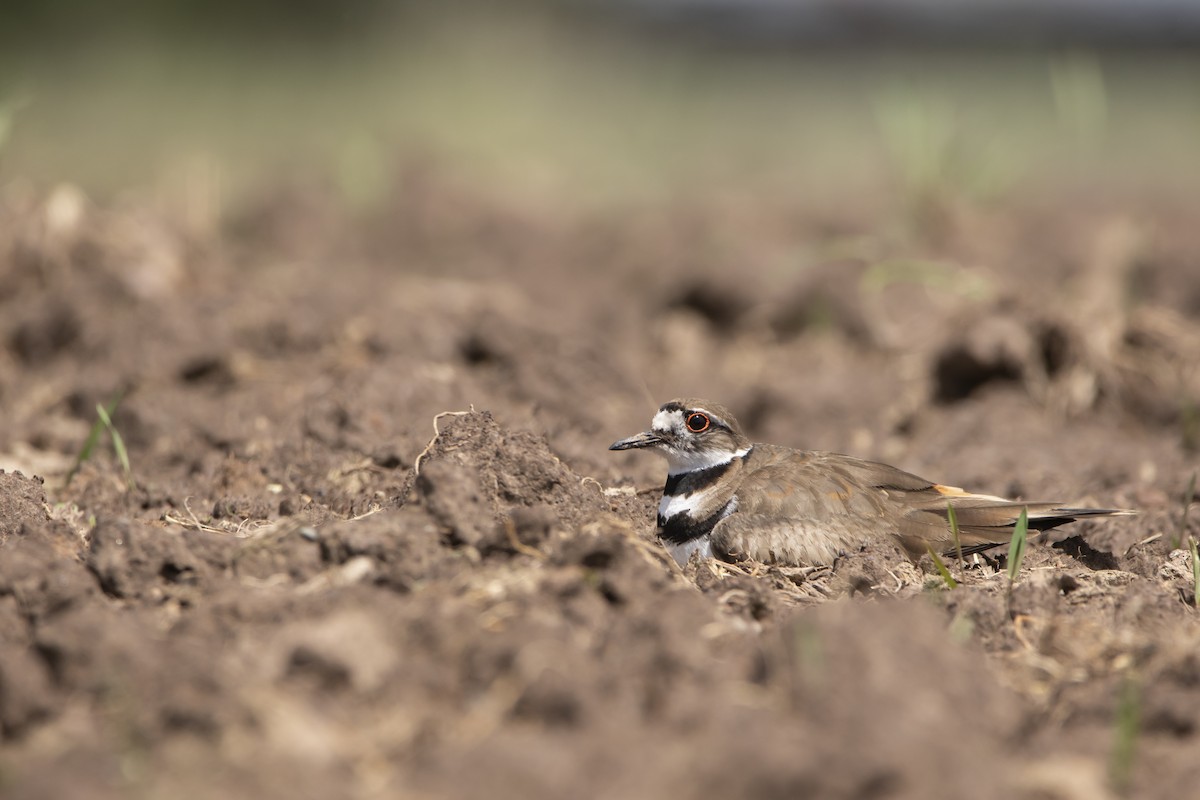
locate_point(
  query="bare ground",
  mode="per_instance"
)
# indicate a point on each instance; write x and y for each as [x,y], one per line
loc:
[318,583]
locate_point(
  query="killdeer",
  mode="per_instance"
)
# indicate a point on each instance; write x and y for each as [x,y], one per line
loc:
[729,498]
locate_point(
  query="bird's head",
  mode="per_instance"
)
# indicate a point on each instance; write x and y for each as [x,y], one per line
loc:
[692,434]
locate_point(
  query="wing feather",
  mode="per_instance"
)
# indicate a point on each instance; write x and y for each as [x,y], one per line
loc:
[797,506]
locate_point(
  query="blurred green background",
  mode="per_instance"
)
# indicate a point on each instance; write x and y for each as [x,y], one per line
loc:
[567,98]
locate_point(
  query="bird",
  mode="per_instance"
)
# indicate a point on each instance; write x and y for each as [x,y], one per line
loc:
[732,499]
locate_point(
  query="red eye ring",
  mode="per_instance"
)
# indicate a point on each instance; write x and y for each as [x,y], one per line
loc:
[698,423]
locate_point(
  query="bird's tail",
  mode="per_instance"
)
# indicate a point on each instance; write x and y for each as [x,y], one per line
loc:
[985,521]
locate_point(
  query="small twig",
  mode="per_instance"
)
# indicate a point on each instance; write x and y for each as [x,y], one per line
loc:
[899,581]
[374,509]
[244,529]
[437,433]
[188,507]
[1020,622]
[190,523]
[612,491]
[725,567]
[1152,538]
[510,531]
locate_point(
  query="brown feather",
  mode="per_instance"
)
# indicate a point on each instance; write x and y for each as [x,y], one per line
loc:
[797,506]
[807,507]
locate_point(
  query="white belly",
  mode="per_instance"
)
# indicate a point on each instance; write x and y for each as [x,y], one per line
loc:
[682,553]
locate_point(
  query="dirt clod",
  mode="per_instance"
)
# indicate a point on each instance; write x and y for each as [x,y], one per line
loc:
[303,594]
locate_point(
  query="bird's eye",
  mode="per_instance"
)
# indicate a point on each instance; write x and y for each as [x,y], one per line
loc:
[697,423]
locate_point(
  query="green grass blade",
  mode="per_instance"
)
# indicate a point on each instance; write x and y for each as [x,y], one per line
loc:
[103,421]
[1125,736]
[1183,516]
[941,568]
[952,515]
[1189,419]
[85,452]
[8,114]
[1195,573]
[118,442]
[1016,548]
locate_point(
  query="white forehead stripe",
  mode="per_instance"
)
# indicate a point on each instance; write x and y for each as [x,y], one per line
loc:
[673,419]
[667,421]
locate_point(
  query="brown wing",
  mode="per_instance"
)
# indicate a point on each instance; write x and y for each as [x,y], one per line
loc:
[802,507]
[806,506]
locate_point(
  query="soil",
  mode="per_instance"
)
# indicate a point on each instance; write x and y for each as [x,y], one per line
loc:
[372,543]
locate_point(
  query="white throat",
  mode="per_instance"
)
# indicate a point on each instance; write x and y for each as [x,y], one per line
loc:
[681,463]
